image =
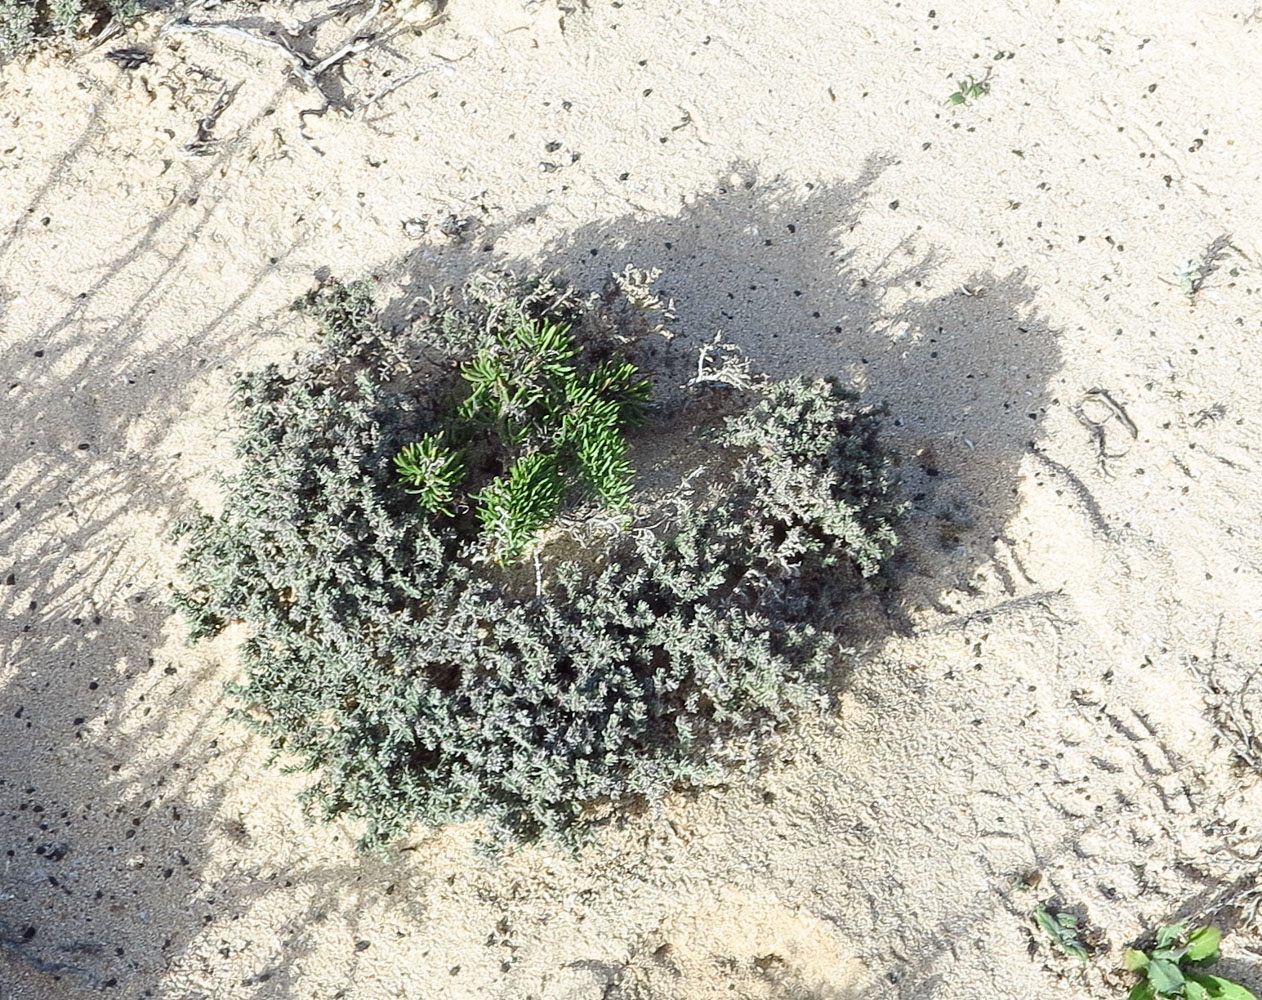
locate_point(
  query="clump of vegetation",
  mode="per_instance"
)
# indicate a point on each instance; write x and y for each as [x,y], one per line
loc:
[557,420]
[1170,969]
[23,23]
[445,622]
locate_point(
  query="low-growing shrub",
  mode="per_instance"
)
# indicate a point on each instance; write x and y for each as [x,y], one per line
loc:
[25,22]
[425,668]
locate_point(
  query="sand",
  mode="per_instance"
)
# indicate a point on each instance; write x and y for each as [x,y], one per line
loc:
[1027,721]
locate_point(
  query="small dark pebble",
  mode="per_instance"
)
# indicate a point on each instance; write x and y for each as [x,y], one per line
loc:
[454,225]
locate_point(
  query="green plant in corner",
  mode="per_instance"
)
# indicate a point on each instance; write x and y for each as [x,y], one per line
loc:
[1170,969]
[27,23]
[1062,929]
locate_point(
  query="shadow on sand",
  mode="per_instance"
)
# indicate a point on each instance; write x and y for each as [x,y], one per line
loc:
[106,817]
[91,767]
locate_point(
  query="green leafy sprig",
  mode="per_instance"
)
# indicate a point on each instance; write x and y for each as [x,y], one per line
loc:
[1168,970]
[1063,931]
[968,89]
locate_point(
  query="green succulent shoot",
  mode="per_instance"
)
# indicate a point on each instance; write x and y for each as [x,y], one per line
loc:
[513,507]
[511,394]
[553,421]
[1062,929]
[601,451]
[431,471]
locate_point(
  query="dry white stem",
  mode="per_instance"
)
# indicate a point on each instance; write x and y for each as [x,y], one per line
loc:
[359,41]
[394,86]
[723,364]
[297,64]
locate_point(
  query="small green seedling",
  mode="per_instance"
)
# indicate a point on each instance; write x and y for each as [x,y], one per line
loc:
[1062,929]
[1168,970]
[1191,276]
[1192,273]
[969,89]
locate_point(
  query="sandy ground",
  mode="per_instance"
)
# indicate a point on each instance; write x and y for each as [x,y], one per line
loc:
[1080,440]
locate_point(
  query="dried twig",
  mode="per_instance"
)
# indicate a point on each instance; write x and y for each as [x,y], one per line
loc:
[297,63]
[1231,716]
[201,144]
[1117,408]
[307,69]
[358,42]
[393,87]
[721,365]
[132,58]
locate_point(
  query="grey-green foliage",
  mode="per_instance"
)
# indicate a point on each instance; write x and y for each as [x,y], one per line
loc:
[417,682]
[24,22]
